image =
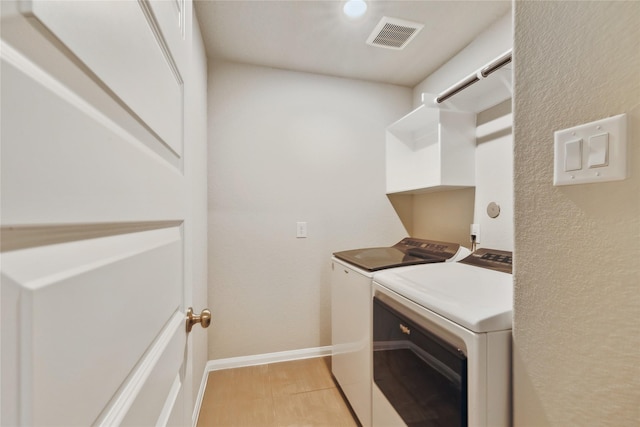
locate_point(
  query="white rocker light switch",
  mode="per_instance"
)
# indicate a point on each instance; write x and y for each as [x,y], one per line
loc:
[599,150]
[592,152]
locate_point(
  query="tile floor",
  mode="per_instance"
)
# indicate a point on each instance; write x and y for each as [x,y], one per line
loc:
[296,393]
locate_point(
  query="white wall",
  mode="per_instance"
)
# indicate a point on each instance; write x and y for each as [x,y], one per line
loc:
[577,269]
[287,147]
[494,177]
[448,215]
[488,45]
[443,215]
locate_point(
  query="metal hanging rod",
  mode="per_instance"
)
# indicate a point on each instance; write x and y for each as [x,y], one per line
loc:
[457,88]
[496,64]
[485,71]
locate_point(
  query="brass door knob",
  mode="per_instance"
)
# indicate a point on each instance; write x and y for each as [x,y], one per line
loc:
[203,318]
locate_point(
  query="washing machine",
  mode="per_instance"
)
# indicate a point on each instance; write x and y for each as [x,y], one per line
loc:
[351,309]
[442,343]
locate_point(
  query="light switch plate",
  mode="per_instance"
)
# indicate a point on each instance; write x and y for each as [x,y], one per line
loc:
[301,229]
[591,134]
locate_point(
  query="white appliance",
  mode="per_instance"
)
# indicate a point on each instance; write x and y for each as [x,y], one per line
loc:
[351,309]
[442,343]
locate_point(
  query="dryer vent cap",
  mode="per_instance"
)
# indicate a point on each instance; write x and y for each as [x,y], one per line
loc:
[393,33]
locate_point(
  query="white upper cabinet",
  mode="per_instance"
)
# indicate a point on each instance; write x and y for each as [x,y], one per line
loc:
[431,149]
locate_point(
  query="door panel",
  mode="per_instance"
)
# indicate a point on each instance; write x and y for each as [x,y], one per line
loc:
[134,62]
[157,385]
[73,164]
[75,324]
[94,207]
[170,17]
[9,412]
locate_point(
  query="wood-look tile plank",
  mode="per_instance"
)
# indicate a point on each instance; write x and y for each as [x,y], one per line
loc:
[295,393]
[319,408]
[299,376]
[238,413]
[246,383]
[237,397]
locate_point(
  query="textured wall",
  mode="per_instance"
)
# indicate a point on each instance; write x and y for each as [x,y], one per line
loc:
[577,248]
[287,147]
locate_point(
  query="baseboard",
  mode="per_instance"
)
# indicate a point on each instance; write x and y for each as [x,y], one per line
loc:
[263,359]
[198,402]
[258,359]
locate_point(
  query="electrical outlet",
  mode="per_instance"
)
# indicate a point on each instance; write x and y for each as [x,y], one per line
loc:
[474,230]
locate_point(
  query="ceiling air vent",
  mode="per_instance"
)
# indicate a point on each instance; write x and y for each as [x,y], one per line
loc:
[393,33]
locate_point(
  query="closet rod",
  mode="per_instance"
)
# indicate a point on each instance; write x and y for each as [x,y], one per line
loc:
[457,88]
[497,64]
[493,66]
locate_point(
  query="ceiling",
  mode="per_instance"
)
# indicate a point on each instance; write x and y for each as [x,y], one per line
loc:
[315,36]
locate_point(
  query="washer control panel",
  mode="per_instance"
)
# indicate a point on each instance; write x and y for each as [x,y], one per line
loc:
[492,259]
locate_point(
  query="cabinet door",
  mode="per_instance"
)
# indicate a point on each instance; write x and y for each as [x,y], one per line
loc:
[93,213]
[351,337]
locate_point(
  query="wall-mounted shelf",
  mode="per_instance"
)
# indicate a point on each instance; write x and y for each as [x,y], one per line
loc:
[431,149]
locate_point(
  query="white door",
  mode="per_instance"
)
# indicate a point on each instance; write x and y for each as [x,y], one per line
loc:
[94,212]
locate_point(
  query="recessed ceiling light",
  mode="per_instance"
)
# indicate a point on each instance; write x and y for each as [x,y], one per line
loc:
[355,8]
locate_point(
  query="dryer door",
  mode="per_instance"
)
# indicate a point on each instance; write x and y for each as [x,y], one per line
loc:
[421,376]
